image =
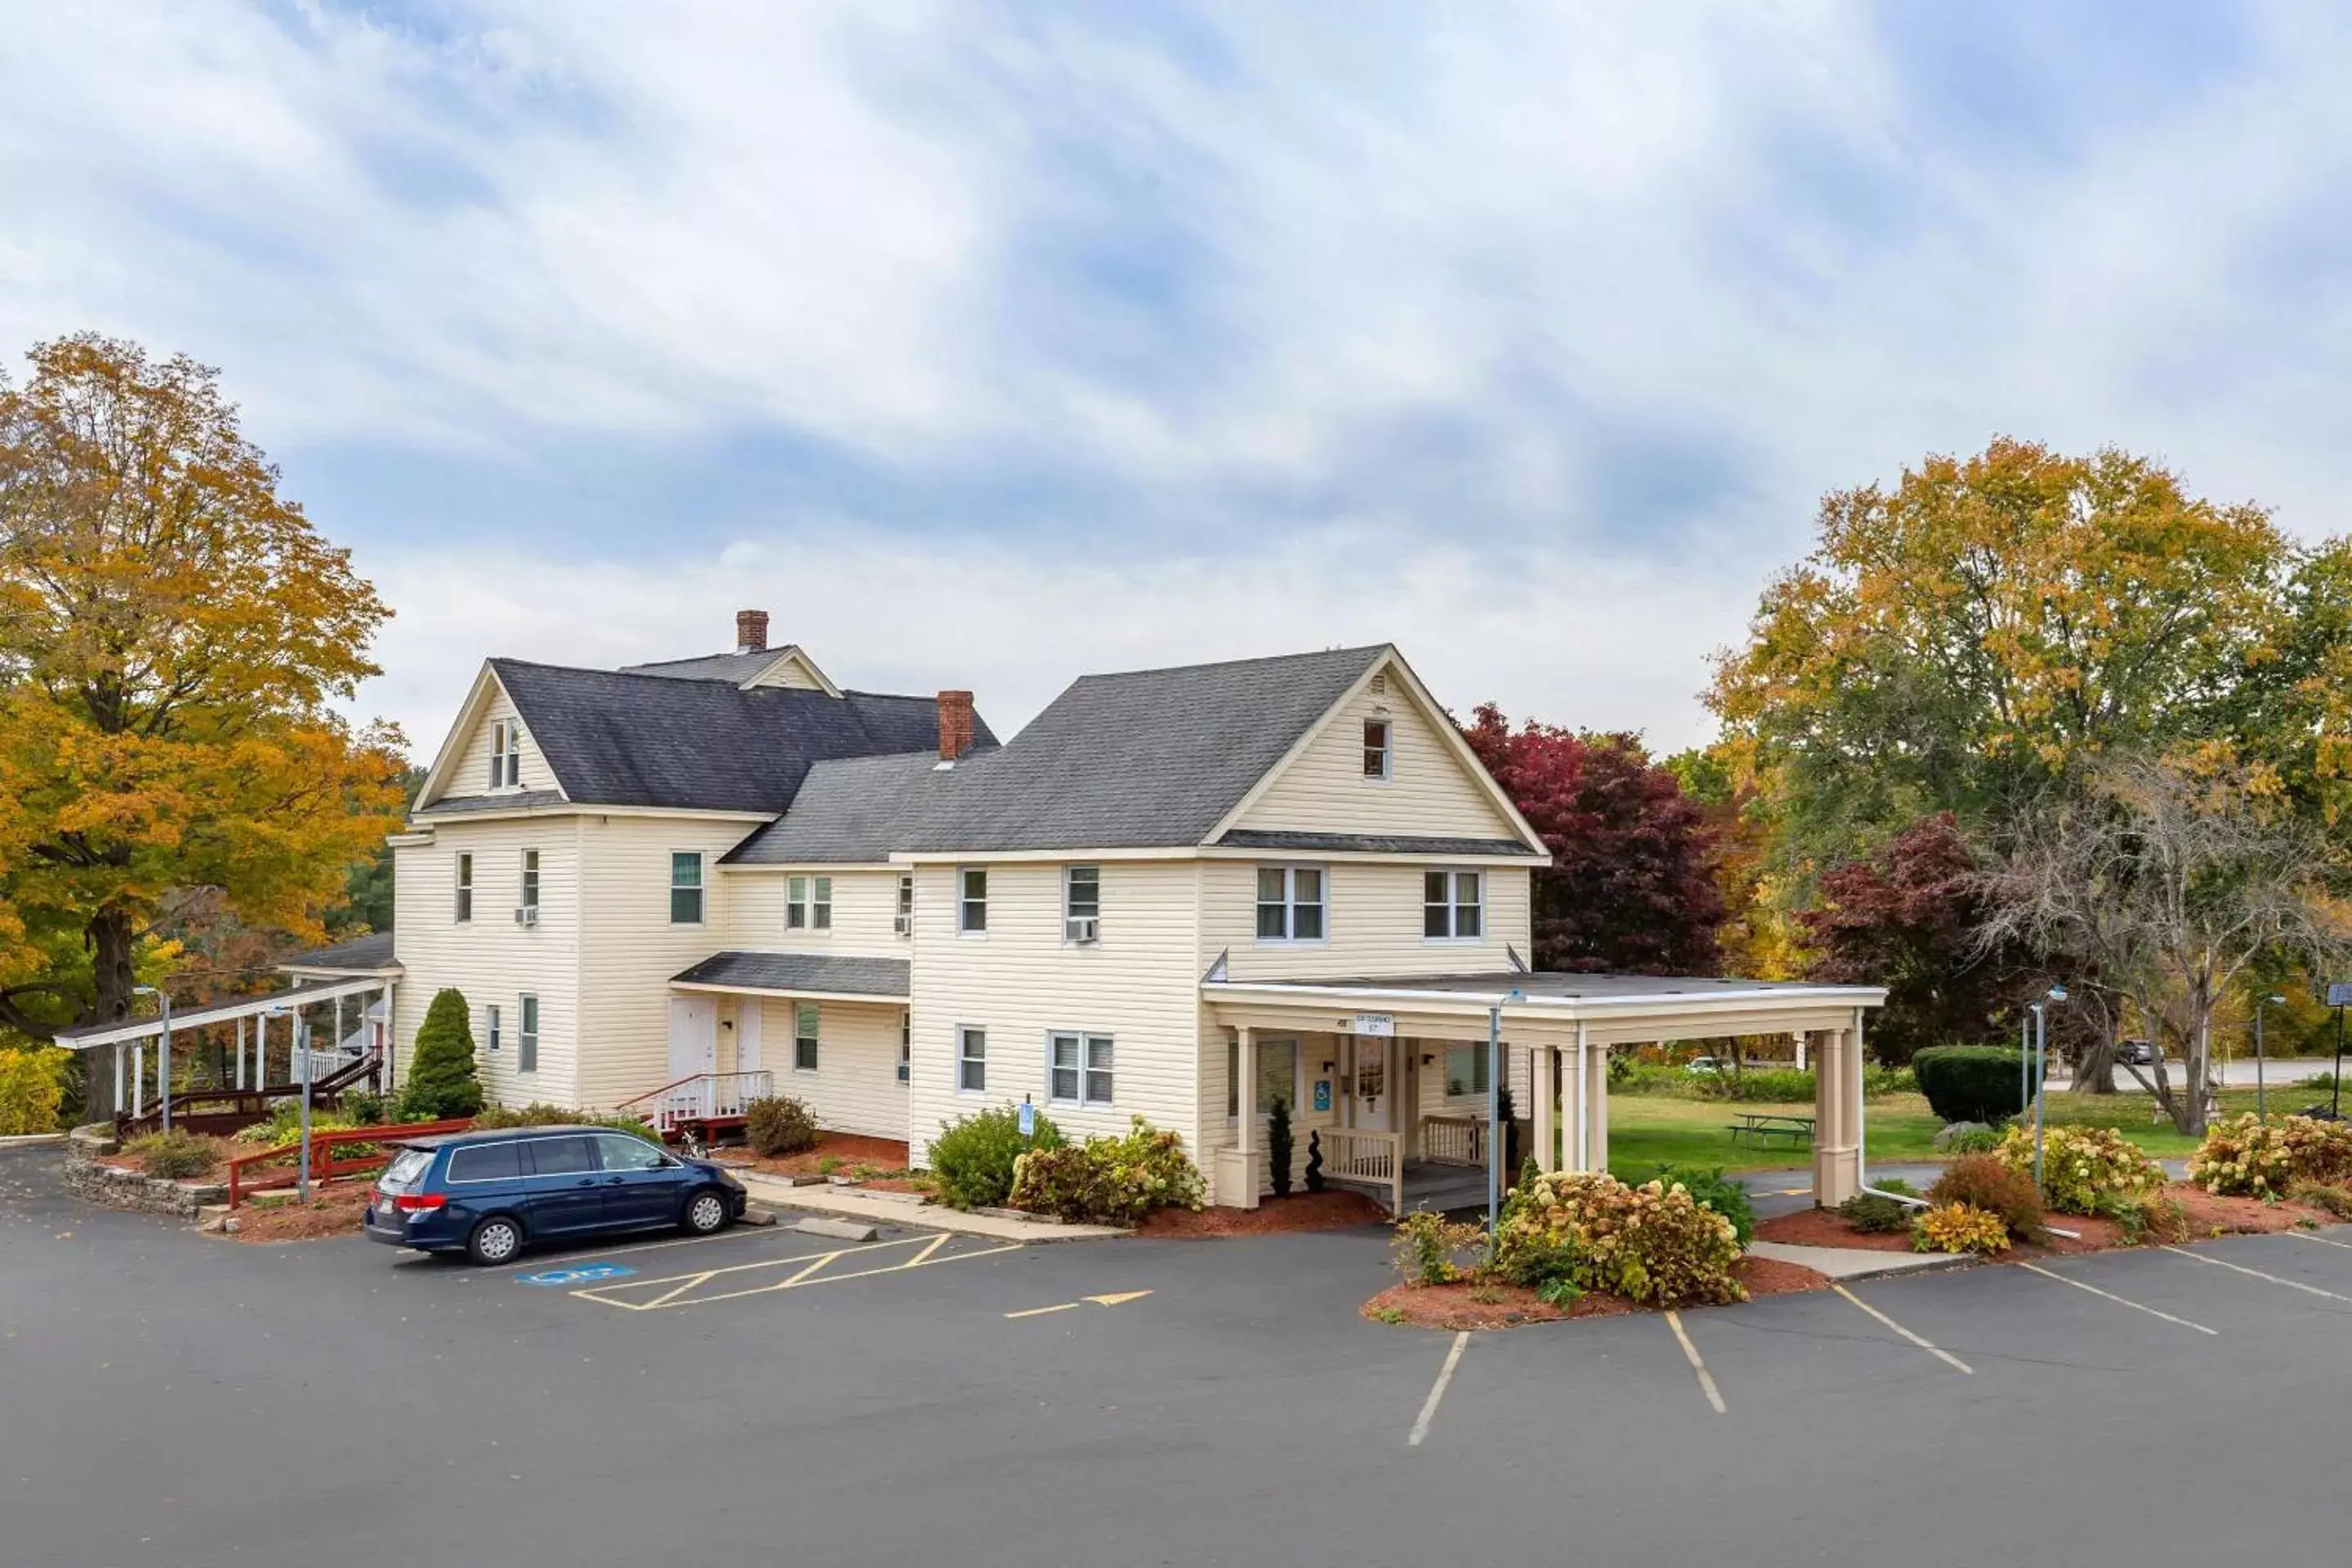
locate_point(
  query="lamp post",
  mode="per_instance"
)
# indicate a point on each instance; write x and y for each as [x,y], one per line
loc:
[2040,1074]
[2260,1109]
[163,1050]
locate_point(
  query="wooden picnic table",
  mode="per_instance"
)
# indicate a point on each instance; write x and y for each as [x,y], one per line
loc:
[1766,1125]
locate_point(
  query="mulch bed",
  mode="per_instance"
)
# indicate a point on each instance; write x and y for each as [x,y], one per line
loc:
[1328,1210]
[1476,1306]
[847,1150]
[1827,1227]
[334,1210]
[2207,1215]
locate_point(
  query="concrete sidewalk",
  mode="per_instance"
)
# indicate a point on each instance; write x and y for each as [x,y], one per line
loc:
[1843,1263]
[908,1208]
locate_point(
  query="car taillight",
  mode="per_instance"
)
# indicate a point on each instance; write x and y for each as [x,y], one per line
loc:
[409,1201]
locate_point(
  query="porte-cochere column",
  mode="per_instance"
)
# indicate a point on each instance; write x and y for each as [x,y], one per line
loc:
[1837,1116]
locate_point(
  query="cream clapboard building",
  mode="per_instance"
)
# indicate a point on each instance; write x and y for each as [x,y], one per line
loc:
[1180,894]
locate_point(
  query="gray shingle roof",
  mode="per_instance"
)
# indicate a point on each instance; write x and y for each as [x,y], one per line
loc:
[617,738]
[1377,842]
[364,953]
[1152,757]
[513,800]
[803,972]
[735,666]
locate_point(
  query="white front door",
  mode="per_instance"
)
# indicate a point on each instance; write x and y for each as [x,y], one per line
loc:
[747,1034]
[693,1035]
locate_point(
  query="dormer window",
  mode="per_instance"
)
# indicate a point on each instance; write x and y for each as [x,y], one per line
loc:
[1379,758]
[506,754]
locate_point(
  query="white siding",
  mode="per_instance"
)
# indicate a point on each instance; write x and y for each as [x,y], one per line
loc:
[490,959]
[471,774]
[864,904]
[1374,920]
[1431,792]
[794,671]
[855,1086]
[1140,984]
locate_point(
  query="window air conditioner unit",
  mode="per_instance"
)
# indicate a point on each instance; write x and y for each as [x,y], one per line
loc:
[527,915]
[1082,929]
[902,925]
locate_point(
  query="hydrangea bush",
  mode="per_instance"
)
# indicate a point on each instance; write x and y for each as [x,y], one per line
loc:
[2252,1157]
[1109,1181]
[2085,1170]
[1653,1243]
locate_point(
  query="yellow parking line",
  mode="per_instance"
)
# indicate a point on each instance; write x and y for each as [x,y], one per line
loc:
[926,1258]
[2111,1296]
[860,1274]
[1943,1355]
[2258,1274]
[692,1281]
[1041,1311]
[780,1262]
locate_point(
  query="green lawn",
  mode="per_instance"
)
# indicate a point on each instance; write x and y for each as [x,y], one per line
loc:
[1648,1131]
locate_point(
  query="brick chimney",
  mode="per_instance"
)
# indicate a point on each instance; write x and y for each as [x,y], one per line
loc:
[750,631]
[955,725]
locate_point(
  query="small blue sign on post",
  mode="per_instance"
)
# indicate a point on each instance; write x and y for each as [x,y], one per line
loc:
[1028,1118]
[1322,1094]
[578,1274]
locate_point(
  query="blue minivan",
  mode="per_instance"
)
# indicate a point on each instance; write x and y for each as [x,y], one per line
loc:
[491,1194]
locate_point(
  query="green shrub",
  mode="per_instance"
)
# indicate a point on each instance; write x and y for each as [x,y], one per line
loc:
[175,1155]
[1278,1146]
[1653,1244]
[1983,1181]
[284,1124]
[1429,1248]
[442,1081]
[1969,1083]
[363,1108]
[1108,1181]
[1714,1190]
[973,1156]
[2334,1199]
[2247,1156]
[778,1124]
[540,1114]
[2085,1170]
[1778,1086]
[1876,1215]
[1959,1227]
[1967,1138]
[32,1090]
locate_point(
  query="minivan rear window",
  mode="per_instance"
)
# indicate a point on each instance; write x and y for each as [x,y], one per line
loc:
[406,1167]
[486,1163]
[562,1156]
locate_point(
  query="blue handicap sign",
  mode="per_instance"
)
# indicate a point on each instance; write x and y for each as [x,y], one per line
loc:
[578,1274]
[1322,1094]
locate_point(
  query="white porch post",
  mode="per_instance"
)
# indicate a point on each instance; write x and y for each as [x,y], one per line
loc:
[391,1034]
[1237,1173]
[239,1080]
[1801,1050]
[1596,1109]
[1837,1104]
[1542,1073]
[139,1079]
[115,1051]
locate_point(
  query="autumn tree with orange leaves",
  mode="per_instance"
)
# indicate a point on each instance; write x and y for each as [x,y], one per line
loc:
[171,630]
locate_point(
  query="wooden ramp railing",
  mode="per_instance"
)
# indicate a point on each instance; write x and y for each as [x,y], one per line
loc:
[1454,1141]
[1367,1158]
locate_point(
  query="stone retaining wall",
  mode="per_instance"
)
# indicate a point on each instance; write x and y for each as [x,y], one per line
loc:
[90,1175]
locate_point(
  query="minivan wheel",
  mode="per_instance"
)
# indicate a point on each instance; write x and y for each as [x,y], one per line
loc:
[705,1214]
[495,1240]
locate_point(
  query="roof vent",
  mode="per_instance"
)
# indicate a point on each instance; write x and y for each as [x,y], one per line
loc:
[1379,685]
[750,631]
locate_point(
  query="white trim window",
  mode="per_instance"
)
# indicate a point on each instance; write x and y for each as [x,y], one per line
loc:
[490,1031]
[903,923]
[806,1019]
[526,1034]
[972,900]
[906,1044]
[808,903]
[686,890]
[1292,904]
[1078,1068]
[1081,903]
[971,1060]
[1465,1070]
[1380,749]
[1453,906]
[465,910]
[531,880]
[506,754]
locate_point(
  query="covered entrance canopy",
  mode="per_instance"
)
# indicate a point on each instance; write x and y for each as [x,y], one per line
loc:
[1556,1032]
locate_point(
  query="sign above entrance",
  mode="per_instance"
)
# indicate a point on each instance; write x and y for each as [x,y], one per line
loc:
[1381,1024]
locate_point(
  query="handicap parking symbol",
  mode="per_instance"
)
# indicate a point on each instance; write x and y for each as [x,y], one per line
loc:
[579,1274]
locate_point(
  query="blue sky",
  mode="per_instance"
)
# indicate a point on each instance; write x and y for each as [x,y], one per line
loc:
[989,344]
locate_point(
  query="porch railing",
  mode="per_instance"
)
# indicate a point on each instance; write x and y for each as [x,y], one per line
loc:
[1360,1155]
[1454,1141]
[705,1097]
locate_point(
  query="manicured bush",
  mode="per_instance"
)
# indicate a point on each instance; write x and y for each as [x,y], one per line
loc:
[32,1088]
[973,1156]
[1967,1138]
[442,1080]
[778,1124]
[1277,1146]
[1108,1181]
[175,1155]
[2248,1156]
[1959,1227]
[1779,1086]
[1969,1083]
[2085,1170]
[364,1107]
[1876,1215]
[1983,1181]
[1715,1191]
[538,1113]
[1653,1244]
[1429,1248]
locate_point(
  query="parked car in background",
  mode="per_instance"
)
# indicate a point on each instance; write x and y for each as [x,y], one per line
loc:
[1707,1067]
[2139,1053]
[491,1194]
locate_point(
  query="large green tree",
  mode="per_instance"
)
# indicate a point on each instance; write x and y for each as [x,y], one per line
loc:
[172,632]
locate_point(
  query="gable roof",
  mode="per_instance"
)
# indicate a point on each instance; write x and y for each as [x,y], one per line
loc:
[1147,758]
[626,738]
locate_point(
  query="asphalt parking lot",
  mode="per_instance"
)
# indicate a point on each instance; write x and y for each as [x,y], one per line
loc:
[169,1398]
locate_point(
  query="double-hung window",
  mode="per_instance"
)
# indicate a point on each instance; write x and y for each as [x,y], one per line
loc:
[1080,1070]
[1290,903]
[526,1034]
[464,889]
[531,881]
[906,1044]
[903,923]
[506,754]
[971,1060]
[1453,906]
[490,1036]
[1082,903]
[1379,753]
[808,903]
[972,900]
[805,1020]
[686,887]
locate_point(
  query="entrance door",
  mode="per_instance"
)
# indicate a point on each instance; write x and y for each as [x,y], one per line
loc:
[693,1035]
[747,1034]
